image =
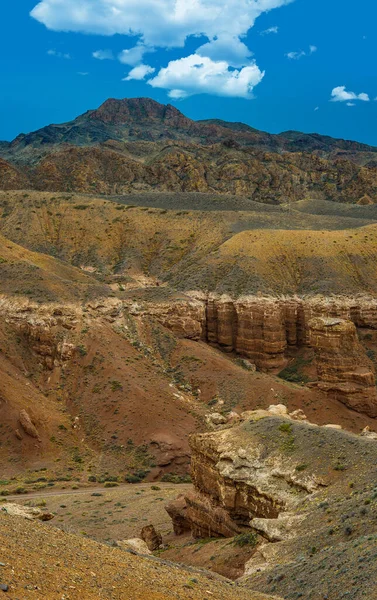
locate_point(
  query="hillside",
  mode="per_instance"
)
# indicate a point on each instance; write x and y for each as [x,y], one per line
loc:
[39,559]
[274,250]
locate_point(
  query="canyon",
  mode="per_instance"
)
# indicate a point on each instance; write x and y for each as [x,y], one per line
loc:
[189,309]
[263,329]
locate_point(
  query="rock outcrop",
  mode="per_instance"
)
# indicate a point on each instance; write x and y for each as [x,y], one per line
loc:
[134,545]
[238,477]
[30,513]
[28,425]
[289,482]
[258,327]
[344,370]
[151,537]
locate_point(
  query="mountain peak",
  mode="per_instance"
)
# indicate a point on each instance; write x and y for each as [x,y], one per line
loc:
[138,110]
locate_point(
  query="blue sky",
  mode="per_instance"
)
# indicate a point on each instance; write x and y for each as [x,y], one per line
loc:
[274,69]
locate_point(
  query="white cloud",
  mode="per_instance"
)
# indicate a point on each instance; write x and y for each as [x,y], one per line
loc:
[134,55]
[295,55]
[351,104]
[228,48]
[168,24]
[301,53]
[340,94]
[82,73]
[316,108]
[103,55]
[58,54]
[270,30]
[140,72]
[200,75]
[164,23]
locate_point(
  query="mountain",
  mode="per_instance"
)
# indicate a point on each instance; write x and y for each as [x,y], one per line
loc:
[140,145]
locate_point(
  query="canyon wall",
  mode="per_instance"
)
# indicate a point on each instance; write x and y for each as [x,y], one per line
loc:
[248,472]
[344,370]
[258,327]
[264,328]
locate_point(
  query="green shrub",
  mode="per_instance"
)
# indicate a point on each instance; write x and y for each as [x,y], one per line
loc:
[173,478]
[246,539]
[132,478]
[285,428]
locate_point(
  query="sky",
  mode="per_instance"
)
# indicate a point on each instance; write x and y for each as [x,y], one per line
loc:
[277,65]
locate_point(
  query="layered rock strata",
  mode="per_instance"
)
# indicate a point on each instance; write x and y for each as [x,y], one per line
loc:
[238,477]
[276,477]
[344,370]
[259,328]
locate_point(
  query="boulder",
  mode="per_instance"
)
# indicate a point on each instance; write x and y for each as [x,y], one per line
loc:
[151,537]
[136,545]
[277,530]
[26,512]
[28,425]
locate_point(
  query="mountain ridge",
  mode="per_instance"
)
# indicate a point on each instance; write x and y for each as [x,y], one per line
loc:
[139,145]
[139,110]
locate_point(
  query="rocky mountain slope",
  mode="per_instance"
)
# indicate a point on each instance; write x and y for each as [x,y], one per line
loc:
[140,145]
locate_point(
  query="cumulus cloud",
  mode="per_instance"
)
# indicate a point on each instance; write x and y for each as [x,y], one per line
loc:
[103,55]
[340,94]
[168,24]
[159,22]
[58,54]
[140,72]
[301,53]
[200,75]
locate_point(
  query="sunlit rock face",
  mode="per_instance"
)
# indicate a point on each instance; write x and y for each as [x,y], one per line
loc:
[344,370]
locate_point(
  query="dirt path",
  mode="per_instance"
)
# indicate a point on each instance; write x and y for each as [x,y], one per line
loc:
[88,490]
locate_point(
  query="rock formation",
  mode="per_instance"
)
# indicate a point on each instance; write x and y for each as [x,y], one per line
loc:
[30,513]
[134,545]
[238,478]
[287,481]
[151,537]
[28,425]
[259,328]
[344,370]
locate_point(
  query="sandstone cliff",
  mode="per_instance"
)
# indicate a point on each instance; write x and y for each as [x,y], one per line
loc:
[288,482]
[265,329]
[258,327]
[344,370]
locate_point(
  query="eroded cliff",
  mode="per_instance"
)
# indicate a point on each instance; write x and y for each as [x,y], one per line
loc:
[344,370]
[296,486]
